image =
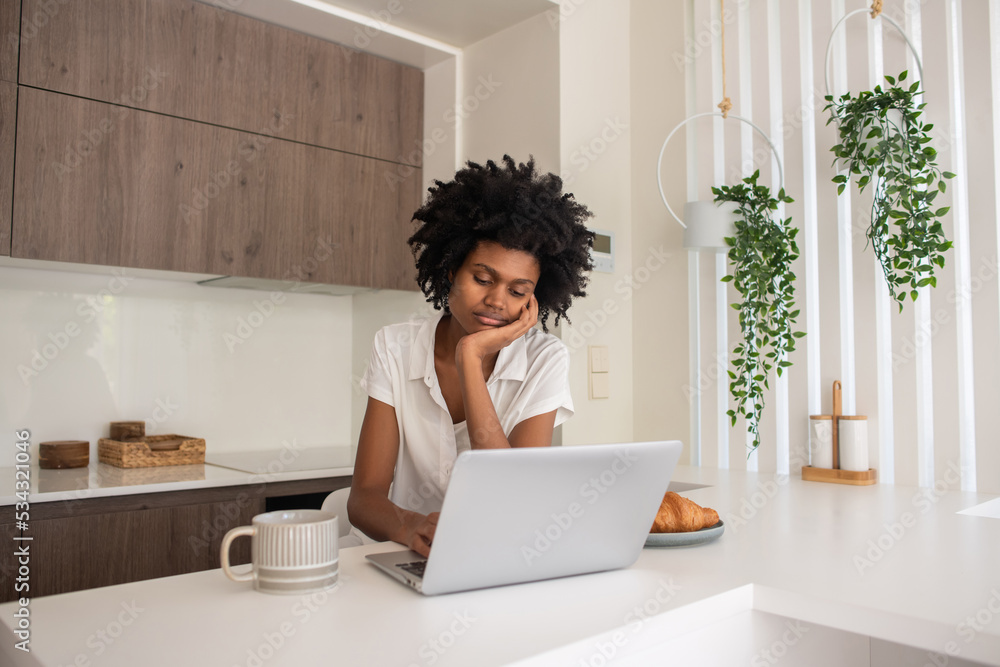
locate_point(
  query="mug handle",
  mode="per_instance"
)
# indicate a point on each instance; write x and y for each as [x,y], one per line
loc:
[226,543]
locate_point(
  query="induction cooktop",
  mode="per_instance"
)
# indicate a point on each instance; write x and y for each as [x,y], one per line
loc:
[286,459]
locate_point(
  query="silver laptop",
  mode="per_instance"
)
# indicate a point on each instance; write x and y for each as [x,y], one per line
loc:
[519,515]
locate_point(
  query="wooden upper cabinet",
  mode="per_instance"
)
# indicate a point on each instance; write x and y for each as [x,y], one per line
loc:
[103,184]
[10,17]
[195,61]
[8,112]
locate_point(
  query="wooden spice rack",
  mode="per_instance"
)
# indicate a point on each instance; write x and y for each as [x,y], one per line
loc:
[835,475]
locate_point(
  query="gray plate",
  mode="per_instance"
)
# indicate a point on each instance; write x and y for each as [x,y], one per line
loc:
[685,539]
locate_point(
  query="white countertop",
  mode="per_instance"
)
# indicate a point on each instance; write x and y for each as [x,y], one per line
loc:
[896,563]
[100,479]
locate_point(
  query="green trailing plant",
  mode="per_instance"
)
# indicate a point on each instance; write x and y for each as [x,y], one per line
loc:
[892,152]
[761,255]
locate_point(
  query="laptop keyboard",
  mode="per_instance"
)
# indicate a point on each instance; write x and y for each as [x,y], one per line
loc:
[415,568]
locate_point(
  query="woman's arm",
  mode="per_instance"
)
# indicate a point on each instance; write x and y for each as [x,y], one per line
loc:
[368,507]
[485,431]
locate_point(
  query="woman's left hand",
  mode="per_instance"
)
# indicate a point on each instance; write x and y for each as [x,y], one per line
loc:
[481,344]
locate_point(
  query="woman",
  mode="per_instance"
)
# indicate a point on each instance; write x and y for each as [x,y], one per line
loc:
[499,248]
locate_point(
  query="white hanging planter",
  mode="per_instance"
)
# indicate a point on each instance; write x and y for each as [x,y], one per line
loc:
[708,224]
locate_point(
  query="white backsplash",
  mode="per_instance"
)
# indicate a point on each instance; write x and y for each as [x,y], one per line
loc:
[246,370]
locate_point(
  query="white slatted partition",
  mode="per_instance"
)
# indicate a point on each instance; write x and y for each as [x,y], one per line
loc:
[694,287]
[777,131]
[721,306]
[922,323]
[883,300]
[745,104]
[855,333]
[844,239]
[963,272]
[808,241]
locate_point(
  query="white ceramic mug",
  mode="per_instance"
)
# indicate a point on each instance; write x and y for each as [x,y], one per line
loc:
[292,551]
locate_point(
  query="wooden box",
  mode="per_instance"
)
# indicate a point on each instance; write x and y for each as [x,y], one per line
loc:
[153,450]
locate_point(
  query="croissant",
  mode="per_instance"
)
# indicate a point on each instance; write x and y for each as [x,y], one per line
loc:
[680,515]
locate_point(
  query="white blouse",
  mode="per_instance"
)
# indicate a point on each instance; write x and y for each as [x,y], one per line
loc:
[531,377]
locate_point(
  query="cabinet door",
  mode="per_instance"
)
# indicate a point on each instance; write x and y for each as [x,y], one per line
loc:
[8,114]
[77,553]
[10,17]
[105,184]
[192,60]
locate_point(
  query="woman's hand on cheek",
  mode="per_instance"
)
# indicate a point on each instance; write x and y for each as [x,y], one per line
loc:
[482,343]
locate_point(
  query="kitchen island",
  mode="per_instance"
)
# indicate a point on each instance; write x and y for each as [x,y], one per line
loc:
[806,572]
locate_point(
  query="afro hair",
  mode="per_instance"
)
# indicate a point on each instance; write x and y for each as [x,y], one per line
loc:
[512,205]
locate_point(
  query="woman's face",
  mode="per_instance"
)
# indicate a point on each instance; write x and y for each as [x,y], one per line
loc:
[492,286]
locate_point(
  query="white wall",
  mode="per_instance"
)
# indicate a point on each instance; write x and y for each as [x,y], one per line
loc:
[509,101]
[244,369]
[661,389]
[594,84]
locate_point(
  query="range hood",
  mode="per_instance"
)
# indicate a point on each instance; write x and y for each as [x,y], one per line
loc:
[268,285]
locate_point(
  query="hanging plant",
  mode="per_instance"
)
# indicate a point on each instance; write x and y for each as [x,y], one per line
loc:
[761,254]
[883,142]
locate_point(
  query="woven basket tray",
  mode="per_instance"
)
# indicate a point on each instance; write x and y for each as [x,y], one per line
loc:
[139,455]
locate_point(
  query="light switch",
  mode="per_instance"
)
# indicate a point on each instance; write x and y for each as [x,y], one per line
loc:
[600,385]
[599,359]
[599,381]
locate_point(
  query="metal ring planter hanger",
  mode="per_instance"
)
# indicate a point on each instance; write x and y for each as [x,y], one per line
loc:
[659,162]
[715,223]
[829,43]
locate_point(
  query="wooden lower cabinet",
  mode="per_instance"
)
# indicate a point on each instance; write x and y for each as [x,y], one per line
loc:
[97,183]
[8,114]
[90,543]
[105,549]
